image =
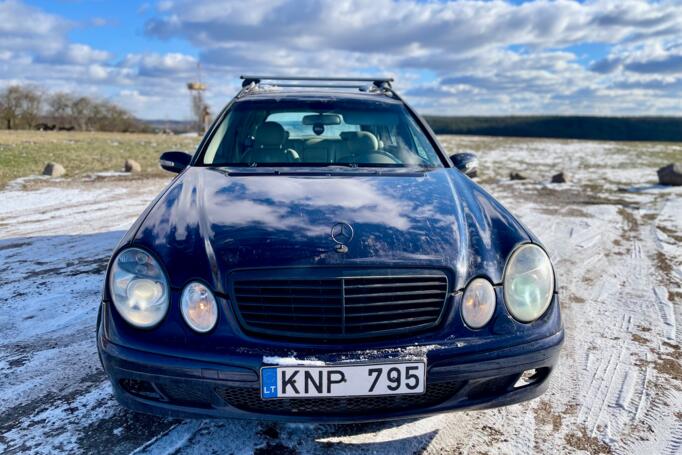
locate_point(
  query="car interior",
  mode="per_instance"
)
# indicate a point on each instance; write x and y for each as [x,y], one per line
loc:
[301,136]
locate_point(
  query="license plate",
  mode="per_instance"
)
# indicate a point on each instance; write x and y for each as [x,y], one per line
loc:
[343,381]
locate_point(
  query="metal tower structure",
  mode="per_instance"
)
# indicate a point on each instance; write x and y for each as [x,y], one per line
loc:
[200,112]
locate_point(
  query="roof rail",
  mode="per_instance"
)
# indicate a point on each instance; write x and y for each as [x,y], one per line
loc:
[378,81]
[378,84]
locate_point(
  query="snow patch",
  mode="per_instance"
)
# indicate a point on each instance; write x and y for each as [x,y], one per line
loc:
[291,361]
[20,183]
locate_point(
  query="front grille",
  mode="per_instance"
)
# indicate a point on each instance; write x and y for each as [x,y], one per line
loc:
[248,399]
[346,307]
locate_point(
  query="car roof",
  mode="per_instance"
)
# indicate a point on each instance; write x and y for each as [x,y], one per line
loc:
[316,95]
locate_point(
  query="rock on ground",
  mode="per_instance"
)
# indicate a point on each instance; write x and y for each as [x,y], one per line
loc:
[670,174]
[561,177]
[54,170]
[132,166]
[517,176]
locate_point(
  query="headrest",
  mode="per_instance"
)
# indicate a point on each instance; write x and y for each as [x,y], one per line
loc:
[360,141]
[270,134]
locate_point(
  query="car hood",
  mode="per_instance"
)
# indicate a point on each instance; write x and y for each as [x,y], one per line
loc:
[211,221]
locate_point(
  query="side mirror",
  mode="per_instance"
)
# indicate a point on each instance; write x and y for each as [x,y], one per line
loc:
[175,161]
[467,163]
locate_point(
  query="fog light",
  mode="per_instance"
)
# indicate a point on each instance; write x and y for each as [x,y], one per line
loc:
[478,303]
[140,388]
[527,378]
[199,308]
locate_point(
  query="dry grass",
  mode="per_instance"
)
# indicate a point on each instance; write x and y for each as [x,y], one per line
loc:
[24,153]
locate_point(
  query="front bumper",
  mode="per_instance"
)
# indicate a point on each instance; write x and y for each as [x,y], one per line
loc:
[177,387]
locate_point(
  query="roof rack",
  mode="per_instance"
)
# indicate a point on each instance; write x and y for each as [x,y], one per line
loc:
[382,84]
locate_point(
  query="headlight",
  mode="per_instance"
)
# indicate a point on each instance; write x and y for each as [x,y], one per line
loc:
[478,303]
[528,283]
[199,308]
[138,288]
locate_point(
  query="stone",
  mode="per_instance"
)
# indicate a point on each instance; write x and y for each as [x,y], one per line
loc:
[132,166]
[517,176]
[561,177]
[670,174]
[54,170]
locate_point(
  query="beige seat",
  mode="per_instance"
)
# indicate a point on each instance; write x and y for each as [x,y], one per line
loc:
[269,146]
[320,150]
[362,147]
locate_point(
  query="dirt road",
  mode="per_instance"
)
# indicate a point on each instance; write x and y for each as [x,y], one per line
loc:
[615,239]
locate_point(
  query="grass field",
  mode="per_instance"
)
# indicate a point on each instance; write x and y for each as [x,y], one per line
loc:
[24,153]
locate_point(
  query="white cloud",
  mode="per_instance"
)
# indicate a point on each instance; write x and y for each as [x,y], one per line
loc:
[466,44]
[388,25]
[27,29]
[162,65]
[654,58]
[98,72]
[35,49]
[466,57]
[74,54]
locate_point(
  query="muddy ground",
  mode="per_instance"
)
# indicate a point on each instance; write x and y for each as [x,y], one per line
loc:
[615,239]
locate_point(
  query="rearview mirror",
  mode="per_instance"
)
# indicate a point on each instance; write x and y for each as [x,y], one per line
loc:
[322,119]
[466,162]
[175,161]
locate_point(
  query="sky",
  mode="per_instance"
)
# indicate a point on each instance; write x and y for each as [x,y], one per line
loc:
[469,57]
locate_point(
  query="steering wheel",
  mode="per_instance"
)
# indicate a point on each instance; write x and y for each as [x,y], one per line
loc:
[376,157]
[385,154]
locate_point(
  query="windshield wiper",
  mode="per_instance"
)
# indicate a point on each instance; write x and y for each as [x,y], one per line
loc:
[297,165]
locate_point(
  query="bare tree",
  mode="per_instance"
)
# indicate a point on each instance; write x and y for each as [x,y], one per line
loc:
[82,110]
[31,106]
[20,106]
[60,104]
[113,118]
[10,107]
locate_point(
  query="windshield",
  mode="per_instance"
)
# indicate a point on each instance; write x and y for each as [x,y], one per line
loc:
[319,133]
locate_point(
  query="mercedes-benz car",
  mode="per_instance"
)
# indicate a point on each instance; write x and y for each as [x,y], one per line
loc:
[321,258]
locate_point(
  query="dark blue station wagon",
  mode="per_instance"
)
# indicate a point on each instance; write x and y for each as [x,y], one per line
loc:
[321,258]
